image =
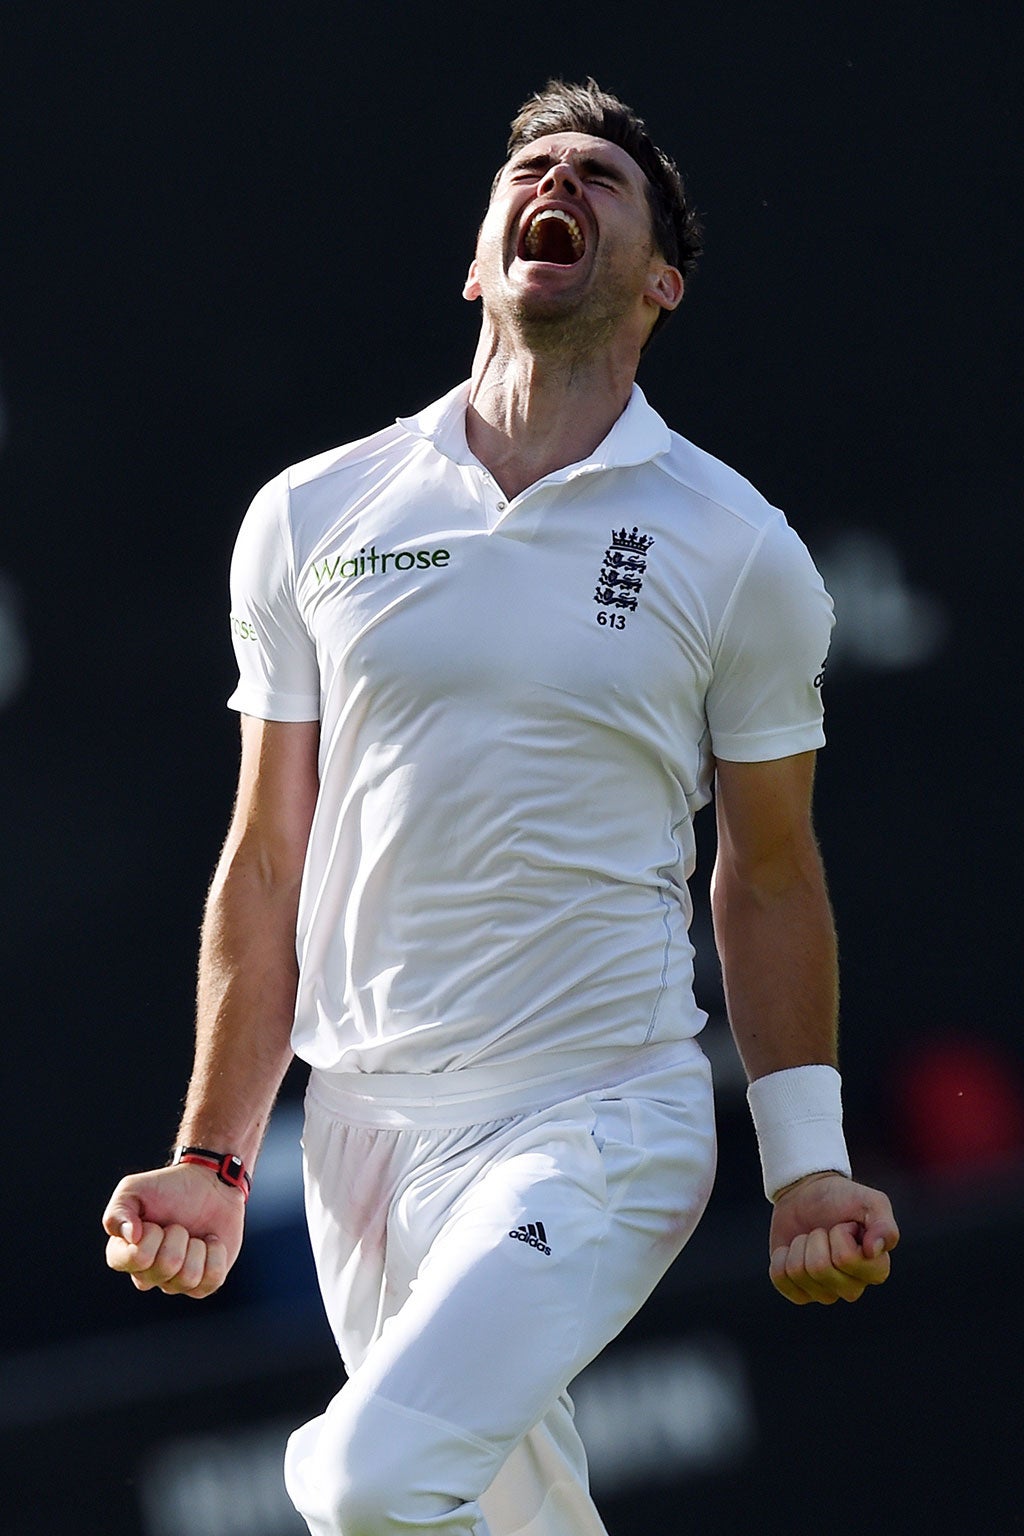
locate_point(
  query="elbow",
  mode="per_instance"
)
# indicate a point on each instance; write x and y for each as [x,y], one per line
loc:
[760,883]
[260,867]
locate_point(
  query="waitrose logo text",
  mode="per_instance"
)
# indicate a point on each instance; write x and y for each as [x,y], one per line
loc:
[368,562]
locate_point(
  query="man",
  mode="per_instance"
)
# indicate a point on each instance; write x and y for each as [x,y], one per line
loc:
[492,660]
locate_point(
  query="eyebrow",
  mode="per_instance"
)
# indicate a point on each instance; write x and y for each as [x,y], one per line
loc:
[591,165]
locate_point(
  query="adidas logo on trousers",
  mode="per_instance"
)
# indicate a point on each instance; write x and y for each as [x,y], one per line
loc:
[534,1234]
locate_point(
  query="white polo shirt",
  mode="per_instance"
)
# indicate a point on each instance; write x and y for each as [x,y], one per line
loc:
[520,703]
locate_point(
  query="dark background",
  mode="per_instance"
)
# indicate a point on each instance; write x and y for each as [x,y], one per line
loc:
[233,236]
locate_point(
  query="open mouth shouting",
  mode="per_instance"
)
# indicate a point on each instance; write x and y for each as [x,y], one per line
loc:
[552,235]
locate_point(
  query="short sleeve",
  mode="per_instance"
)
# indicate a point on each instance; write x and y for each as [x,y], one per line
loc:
[278,676]
[764,701]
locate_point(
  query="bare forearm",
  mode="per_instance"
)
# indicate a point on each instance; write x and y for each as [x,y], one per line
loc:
[246,999]
[778,953]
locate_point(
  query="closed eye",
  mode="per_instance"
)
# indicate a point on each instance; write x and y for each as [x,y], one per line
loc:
[530,169]
[595,172]
[598,172]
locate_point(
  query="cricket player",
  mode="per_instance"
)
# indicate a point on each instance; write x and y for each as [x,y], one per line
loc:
[492,661]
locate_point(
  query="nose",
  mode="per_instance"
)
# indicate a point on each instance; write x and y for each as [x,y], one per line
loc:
[560,180]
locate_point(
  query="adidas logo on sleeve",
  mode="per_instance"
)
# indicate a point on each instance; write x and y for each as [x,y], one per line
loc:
[533,1234]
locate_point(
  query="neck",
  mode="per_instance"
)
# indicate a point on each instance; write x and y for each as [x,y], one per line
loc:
[532,413]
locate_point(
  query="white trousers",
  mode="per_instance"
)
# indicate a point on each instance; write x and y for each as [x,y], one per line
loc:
[469,1274]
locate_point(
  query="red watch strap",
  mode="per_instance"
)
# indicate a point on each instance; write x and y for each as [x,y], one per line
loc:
[228,1166]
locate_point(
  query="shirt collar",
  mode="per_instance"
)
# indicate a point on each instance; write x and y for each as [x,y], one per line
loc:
[638,435]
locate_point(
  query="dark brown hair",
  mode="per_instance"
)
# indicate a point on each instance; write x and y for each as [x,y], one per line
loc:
[562,107]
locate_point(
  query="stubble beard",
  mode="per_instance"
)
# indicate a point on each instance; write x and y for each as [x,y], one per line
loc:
[567,326]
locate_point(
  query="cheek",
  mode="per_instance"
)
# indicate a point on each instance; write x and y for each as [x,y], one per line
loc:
[631,253]
[490,251]
[499,221]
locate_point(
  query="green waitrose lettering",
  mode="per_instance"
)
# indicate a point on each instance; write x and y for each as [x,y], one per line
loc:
[368,562]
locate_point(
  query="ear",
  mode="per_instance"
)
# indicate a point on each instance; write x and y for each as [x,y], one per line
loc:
[471,287]
[665,286]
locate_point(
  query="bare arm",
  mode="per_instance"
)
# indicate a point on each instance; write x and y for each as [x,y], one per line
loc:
[247,967]
[773,920]
[830,1237]
[179,1228]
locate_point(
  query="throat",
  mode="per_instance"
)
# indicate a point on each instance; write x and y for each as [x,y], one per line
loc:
[521,441]
[532,412]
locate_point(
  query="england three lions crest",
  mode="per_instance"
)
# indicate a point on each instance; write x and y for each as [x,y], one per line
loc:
[622,576]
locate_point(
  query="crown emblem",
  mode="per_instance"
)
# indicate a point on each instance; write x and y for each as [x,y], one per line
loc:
[637,542]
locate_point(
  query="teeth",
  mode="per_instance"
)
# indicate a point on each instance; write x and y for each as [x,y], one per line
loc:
[533,233]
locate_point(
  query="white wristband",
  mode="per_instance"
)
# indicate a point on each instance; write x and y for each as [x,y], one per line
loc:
[798,1117]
